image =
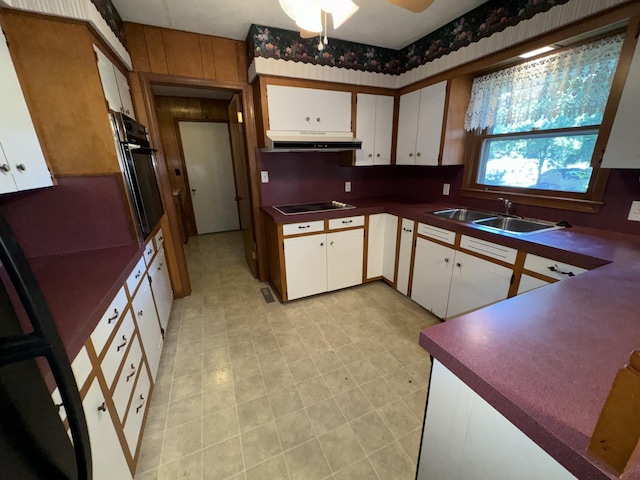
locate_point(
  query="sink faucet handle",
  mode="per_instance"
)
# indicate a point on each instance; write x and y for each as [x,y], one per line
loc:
[507,204]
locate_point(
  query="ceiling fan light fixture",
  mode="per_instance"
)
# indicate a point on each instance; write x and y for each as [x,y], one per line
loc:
[309,18]
[343,10]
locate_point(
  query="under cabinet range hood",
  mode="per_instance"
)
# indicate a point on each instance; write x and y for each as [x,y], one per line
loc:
[311,141]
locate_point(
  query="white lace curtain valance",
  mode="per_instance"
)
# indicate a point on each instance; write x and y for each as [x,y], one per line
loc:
[566,89]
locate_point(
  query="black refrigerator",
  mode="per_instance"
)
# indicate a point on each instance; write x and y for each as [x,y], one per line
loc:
[33,440]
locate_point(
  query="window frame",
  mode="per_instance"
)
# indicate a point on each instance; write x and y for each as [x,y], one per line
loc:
[591,200]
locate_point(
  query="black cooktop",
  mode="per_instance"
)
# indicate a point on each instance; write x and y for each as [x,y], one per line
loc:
[312,207]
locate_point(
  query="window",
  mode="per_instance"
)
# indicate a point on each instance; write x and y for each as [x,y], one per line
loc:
[535,125]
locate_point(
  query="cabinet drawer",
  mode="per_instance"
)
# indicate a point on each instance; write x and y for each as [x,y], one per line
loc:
[159,239]
[303,227]
[127,378]
[108,322]
[117,348]
[149,251]
[551,268]
[137,410]
[346,222]
[489,249]
[436,233]
[136,276]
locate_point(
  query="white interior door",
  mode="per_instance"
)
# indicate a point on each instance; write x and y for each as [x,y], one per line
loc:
[207,155]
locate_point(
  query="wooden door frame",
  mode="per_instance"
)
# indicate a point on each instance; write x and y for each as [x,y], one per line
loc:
[245,91]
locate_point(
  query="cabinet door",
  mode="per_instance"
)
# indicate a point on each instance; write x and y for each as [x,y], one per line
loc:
[408,128]
[432,276]
[384,130]
[366,128]
[308,109]
[161,287]
[390,243]
[429,136]
[137,411]
[124,93]
[305,260]
[7,183]
[475,283]
[527,283]
[20,145]
[404,260]
[345,258]
[375,245]
[106,452]
[622,147]
[109,81]
[148,325]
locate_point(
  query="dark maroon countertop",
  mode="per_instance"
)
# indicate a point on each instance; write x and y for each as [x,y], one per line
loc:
[78,288]
[545,359]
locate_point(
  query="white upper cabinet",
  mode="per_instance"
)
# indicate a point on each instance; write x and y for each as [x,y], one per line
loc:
[114,85]
[374,121]
[623,147]
[420,125]
[308,109]
[22,166]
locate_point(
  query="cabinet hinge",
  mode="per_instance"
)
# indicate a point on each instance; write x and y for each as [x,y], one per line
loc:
[638,32]
[150,280]
[513,278]
[162,332]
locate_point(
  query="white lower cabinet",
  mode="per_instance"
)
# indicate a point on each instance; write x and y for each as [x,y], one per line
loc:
[106,452]
[381,251]
[404,259]
[127,378]
[324,262]
[148,325]
[161,287]
[476,282]
[528,283]
[345,255]
[306,265]
[137,409]
[432,270]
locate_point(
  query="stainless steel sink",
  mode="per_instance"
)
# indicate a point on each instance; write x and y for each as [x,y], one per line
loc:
[518,226]
[464,214]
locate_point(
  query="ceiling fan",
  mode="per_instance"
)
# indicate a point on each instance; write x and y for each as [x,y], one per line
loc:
[311,15]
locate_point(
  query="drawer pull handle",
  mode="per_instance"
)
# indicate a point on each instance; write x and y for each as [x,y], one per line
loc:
[161,239]
[141,405]
[556,269]
[331,243]
[138,274]
[103,407]
[123,344]
[302,227]
[347,221]
[140,313]
[133,372]
[5,167]
[59,406]
[160,267]
[150,251]
[21,167]
[407,229]
[115,315]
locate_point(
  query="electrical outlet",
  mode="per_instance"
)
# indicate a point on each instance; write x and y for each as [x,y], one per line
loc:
[264,175]
[446,188]
[347,186]
[634,212]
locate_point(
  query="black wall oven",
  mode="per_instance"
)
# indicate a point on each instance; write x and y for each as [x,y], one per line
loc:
[137,163]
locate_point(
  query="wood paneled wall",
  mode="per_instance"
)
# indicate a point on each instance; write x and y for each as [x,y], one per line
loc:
[170,110]
[173,52]
[57,69]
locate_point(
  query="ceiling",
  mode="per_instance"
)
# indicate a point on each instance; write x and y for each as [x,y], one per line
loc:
[377,22]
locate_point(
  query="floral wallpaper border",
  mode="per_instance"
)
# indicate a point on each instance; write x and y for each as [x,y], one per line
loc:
[483,21]
[112,17]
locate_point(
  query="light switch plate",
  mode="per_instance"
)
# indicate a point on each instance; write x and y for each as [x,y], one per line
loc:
[634,212]
[446,188]
[347,186]
[264,175]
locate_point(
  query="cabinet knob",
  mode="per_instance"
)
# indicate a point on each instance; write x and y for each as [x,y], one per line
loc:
[21,167]
[370,155]
[307,119]
[418,154]
[411,155]
[322,244]
[446,260]
[378,155]
[318,119]
[193,190]
[331,243]
[5,167]
[459,265]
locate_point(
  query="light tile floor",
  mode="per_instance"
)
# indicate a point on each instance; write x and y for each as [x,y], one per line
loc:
[332,387]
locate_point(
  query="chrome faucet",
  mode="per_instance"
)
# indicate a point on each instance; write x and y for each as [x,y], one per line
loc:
[507,205]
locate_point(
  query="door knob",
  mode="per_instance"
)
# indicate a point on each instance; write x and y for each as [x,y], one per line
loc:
[193,190]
